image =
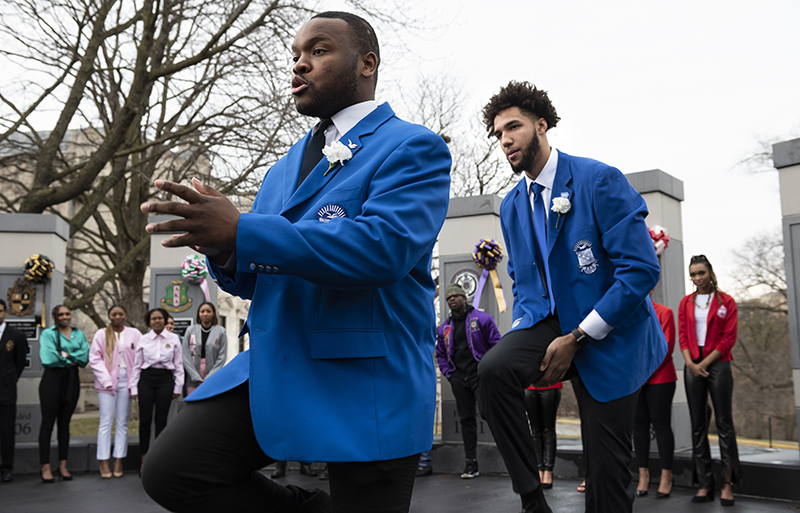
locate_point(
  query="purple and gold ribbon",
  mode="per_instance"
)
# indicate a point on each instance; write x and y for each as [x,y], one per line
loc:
[487,254]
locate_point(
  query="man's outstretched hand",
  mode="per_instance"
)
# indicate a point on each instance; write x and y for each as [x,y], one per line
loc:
[209,219]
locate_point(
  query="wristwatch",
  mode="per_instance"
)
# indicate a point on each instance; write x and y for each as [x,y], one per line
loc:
[582,338]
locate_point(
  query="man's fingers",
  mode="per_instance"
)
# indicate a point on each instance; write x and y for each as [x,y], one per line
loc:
[204,189]
[173,225]
[177,241]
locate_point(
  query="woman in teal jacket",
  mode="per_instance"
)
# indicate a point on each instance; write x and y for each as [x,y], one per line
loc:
[62,349]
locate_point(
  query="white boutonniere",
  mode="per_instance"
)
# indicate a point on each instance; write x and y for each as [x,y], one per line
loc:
[337,153]
[560,206]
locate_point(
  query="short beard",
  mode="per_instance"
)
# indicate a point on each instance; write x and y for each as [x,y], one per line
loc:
[529,154]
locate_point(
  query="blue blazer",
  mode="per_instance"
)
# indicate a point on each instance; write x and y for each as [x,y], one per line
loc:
[342,323]
[600,257]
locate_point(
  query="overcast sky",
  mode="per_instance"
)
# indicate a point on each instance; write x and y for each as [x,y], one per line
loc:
[686,87]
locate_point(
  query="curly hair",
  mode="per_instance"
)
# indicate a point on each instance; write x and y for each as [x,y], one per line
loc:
[524,95]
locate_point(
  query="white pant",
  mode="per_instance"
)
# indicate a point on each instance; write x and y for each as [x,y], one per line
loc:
[109,405]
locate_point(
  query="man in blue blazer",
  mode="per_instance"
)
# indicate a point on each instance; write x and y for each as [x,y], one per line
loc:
[336,257]
[582,269]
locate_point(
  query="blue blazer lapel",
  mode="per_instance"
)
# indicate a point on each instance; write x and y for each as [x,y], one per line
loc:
[561,189]
[523,207]
[320,176]
[293,161]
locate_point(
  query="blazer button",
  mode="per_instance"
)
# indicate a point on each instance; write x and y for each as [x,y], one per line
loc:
[275,269]
[544,296]
[269,269]
[261,268]
[252,267]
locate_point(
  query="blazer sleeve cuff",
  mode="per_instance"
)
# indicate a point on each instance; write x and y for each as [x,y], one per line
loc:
[595,326]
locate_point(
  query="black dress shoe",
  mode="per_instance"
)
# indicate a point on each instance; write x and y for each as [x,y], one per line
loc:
[664,495]
[5,476]
[535,502]
[709,497]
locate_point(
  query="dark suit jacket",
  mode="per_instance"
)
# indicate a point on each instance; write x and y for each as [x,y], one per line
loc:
[13,348]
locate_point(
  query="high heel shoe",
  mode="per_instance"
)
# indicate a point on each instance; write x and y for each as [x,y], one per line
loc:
[664,495]
[47,481]
[641,493]
[709,497]
[726,502]
[62,477]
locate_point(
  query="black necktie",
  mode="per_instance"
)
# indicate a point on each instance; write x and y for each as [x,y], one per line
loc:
[313,152]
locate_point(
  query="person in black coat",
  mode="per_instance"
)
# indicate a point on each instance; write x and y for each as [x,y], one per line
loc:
[13,349]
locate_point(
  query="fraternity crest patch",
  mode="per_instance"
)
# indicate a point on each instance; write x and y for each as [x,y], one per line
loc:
[10,346]
[586,260]
[21,298]
[176,298]
[330,211]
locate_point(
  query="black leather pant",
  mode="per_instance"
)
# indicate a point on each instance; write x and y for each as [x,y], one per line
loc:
[655,406]
[719,385]
[542,406]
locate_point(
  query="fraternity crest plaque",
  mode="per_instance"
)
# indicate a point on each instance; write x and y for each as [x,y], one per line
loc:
[21,297]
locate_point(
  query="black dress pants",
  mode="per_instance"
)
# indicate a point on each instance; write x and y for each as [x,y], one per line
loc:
[465,391]
[155,390]
[208,460]
[503,375]
[506,371]
[8,414]
[719,385]
[58,395]
[655,406]
[606,429]
[542,406]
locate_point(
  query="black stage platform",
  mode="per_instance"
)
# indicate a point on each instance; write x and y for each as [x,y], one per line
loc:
[439,493]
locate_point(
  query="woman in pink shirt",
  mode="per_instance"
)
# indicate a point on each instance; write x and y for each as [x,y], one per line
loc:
[112,356]
[156,376]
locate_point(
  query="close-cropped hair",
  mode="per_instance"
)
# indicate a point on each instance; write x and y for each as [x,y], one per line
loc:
[3,304]
[363,35]
[531,101]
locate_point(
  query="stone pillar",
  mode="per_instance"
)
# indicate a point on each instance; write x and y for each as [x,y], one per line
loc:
[469,220]
[24,235]
[166,284]
[786,158]
[664,194]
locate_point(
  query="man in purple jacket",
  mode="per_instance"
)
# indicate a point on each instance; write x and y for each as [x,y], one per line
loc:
[461,342]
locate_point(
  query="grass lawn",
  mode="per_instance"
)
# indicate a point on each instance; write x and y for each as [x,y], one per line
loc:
[88,427]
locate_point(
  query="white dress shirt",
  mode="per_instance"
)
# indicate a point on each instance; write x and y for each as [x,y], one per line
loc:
[593,324]
[346,119]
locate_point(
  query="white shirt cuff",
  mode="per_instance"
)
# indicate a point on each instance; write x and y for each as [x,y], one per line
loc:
[595,326]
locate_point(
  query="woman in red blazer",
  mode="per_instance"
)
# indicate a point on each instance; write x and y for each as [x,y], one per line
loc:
[655,406]
[707,324]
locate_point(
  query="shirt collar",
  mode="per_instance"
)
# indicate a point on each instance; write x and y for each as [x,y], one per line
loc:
[548,174]
[347,118]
